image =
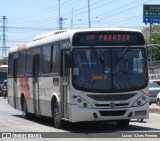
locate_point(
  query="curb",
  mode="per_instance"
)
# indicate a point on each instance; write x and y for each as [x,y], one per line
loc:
[154,110]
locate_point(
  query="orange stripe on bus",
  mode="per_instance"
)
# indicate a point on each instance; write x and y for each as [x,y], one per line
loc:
[21,47]
[24,87]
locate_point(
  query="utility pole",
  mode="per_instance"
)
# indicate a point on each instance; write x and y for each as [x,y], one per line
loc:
[60,19]
[150,40]
[4,37]
[72,19]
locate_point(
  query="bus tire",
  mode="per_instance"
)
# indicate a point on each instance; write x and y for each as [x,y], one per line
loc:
[25,113]
[123,123]
[56,115]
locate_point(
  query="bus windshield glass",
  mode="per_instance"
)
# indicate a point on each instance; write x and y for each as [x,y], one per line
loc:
[111,69]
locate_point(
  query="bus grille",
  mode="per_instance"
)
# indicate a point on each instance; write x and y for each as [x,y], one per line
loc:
[116,97]
[108,105]
[112,113]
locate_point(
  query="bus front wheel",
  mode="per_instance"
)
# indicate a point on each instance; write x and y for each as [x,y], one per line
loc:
[56,115]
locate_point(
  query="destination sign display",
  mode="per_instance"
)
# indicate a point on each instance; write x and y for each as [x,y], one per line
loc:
[108,38]
[151,13]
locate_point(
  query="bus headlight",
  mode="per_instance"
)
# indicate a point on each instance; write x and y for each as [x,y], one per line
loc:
[82,102]
[141,101]
[79,100]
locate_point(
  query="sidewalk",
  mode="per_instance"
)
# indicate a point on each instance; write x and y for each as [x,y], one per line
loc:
[153,108]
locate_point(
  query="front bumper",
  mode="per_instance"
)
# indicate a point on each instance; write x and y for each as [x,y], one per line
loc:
[98,114]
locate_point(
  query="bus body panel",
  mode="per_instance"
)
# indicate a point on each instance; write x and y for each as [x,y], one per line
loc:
[46,90]
[10,92]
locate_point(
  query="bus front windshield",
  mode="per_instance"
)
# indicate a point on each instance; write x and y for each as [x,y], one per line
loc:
[111,69]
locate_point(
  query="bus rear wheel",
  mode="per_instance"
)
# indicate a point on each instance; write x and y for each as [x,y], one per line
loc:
[56,116]
[123,123]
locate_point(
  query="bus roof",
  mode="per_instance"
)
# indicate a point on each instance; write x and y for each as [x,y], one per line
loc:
[57,35]
[5,66]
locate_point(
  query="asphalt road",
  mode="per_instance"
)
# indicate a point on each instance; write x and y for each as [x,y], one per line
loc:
[11,120]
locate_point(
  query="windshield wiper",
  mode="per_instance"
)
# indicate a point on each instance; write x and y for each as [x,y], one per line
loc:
[123,53]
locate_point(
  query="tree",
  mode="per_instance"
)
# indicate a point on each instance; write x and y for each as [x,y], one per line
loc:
[156,48]
[3,61]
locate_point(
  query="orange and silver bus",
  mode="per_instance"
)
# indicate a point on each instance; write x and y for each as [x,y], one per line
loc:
[81,75]
[3,73]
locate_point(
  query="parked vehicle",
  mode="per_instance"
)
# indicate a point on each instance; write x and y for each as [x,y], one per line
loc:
[154,90]
[4,88]
[1,94]
[156,81]
[3,73]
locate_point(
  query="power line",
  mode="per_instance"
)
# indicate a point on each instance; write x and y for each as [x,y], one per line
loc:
[42,12]
[31,28]
[14,41]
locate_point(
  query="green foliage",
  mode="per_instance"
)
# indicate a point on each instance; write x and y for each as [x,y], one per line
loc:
[3,61]
[155,49]
[156,38]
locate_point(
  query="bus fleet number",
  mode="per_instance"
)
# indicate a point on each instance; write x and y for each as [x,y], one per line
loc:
[91,37]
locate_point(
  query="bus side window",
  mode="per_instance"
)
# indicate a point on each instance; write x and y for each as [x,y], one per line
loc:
[10,66]
[29,62]
[55,60]
[21,63]
[46,59]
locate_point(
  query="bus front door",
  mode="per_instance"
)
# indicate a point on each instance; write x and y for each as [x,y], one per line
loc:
[36,84]
[15,92]
[66,84]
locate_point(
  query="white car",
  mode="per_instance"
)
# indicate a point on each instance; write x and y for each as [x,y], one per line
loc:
[154,90]
[158,99]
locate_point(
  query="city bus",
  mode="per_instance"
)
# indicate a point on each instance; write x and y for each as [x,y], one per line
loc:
[3,76]
[3,73]
[81,75]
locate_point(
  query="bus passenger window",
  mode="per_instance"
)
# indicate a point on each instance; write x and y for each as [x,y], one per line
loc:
[29,63]
[56,60]
[21,63]
[10,66]
[46,56]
